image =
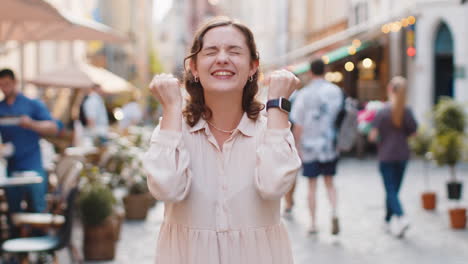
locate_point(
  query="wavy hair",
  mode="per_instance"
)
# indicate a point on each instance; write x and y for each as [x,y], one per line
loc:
[195,106]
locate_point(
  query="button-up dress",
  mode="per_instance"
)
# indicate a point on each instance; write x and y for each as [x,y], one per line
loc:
[222,206]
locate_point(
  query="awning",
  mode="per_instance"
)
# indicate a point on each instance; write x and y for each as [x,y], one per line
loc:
[34,20]
[364,31]
[330,57]
[23,19]
[83,29]
[83,75]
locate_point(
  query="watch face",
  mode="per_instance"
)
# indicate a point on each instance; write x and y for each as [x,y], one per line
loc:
[286,105]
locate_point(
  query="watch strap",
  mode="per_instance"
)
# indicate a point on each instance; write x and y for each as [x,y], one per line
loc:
[281,103]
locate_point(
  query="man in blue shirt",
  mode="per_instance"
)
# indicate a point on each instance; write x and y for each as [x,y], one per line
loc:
[30,120]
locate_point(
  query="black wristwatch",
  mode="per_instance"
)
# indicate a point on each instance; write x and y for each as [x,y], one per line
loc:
[282,103]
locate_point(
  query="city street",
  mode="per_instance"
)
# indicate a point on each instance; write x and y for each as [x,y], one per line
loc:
[362,240]
[83,83]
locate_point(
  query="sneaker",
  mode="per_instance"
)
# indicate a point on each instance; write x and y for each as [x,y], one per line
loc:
[399,226]
[386,227]
[335,226]
[312,231]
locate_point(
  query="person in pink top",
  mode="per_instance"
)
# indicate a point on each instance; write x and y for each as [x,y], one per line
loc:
[220,166]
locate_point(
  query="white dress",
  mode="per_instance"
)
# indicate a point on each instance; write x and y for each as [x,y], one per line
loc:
[222,207]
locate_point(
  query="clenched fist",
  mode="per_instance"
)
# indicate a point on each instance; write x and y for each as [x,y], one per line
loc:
[282,83]
[166,89]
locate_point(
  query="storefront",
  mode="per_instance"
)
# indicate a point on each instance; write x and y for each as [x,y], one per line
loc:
[360,68]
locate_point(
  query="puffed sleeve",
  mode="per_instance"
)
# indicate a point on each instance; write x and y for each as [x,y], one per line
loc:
[277,163]
[167,166]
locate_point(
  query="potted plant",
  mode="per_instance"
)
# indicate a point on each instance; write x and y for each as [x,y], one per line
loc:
[447,148]
[136,202]
[420,144]
[96,204]
[449,120]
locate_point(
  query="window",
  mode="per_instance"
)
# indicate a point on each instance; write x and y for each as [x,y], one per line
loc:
[360,13]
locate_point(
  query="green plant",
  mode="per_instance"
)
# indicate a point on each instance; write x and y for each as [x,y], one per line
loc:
[420,143]
[96,203]
[447,149]
[138,187]
[449,116]
[96,200]
[447,146]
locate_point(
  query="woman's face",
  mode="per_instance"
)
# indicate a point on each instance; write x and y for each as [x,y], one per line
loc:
[224,64]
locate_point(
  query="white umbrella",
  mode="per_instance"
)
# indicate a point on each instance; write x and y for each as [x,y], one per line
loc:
[23,19]
[83,29]
[83,75]
[34,20]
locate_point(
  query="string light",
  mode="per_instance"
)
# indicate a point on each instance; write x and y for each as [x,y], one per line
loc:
[325,59]
[349,66]
[367,63]
[357,43]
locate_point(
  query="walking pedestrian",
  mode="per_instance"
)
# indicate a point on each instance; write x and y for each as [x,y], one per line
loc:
[392,126]
[314,113]
[220,167]
[95,114]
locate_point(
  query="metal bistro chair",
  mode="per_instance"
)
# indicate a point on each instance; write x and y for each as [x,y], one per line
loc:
[49,244]
[69,177]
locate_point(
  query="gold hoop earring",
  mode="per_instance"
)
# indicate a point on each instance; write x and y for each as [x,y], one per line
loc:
[195,79]
[251,78]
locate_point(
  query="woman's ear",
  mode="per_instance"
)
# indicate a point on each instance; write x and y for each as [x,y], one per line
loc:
[254,67]
[193,67]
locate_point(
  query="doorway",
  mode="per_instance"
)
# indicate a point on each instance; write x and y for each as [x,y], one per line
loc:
[444,63]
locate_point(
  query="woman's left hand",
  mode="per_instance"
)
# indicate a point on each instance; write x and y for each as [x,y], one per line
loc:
[282,83]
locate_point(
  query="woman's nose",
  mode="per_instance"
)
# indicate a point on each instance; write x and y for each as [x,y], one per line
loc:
[222,57]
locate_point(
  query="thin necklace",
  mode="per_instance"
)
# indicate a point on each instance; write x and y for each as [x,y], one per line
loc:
[221,130]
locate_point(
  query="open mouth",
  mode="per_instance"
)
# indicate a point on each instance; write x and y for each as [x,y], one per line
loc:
[222,74]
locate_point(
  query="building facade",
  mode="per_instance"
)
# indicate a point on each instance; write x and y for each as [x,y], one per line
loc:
[440,65]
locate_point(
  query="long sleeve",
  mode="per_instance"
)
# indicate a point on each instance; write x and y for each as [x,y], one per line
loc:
[167,166]
[277,163]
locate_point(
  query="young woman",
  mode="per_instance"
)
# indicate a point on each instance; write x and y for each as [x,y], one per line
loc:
[220,167]
[391,128]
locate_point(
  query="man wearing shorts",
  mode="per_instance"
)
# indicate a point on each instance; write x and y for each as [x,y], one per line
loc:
[314,113]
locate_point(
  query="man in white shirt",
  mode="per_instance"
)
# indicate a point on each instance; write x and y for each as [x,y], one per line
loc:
[97,122]
[314,113]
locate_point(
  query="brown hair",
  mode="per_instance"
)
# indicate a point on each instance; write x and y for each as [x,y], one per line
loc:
[196,107]
[398,91]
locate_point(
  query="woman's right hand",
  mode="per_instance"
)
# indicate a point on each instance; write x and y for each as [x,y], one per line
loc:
[166,89]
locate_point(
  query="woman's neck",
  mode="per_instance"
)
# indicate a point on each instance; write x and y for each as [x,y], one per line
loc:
[226,110]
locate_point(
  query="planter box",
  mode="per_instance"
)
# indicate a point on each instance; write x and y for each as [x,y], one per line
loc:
[454,190]
[99,242]
[429,200]
[136,206]
[457,218]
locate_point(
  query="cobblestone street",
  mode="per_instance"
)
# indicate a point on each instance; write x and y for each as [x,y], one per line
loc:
[362,240]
